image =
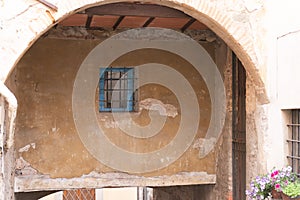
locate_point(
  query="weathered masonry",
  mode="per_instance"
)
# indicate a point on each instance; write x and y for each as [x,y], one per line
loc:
[178,93]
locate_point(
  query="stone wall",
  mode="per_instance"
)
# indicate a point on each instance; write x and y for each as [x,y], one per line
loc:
[8,108]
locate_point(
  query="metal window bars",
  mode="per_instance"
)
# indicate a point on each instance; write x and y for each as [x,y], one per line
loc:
[116,89]
[294,141]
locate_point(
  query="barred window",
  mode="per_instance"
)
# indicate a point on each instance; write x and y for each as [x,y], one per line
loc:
[116,89]
[294,141]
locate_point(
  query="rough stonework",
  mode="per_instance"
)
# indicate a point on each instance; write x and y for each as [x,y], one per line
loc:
[8,108]
[39,61]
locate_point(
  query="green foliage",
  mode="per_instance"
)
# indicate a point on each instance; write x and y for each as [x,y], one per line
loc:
[292,189]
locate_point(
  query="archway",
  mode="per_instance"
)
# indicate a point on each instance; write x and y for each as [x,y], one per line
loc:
[40,18]
[216,27]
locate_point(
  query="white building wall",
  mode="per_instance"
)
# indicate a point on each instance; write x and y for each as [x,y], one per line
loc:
[282,84]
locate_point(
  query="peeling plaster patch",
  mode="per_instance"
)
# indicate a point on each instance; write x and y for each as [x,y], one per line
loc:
[24,168]
[201,143]
[111,124]
[75,32]
[116,124]
[78,33]
[54,129]
[151,34]
[202,35]
[147,104]
[156,105]
[27,147]
[66,32]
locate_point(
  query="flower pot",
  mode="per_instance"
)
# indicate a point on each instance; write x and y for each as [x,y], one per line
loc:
[285,197]
[275,194]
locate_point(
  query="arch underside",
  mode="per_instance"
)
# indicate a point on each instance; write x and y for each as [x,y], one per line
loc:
[36,19]
[24,28]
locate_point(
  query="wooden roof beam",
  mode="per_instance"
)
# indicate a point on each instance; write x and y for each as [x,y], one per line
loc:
[118,22]
[148,21]
[188,24]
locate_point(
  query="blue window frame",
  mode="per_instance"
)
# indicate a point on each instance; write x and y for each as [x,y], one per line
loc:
[116,90]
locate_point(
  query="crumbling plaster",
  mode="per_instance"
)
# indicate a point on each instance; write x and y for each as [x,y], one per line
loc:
[45,80]
[36,150]
[236,22]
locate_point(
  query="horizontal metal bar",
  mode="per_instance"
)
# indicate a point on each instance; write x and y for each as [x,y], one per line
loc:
[293,124]
[117,79]
[294,157]
[298,141]
[239,141]
[109,90]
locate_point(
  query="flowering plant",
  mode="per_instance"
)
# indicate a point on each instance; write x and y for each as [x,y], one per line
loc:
[261,186]
[281,178]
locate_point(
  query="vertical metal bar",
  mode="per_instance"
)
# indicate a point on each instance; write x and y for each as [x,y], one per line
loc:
[293,131]
[297,143]
[233,124]
[238,129]
[101,89]
[242,127]
[110,88]
[120,88]
[145,193]
[130,90]
[234,170]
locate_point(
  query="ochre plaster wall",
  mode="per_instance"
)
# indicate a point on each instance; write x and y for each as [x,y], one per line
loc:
[46,137]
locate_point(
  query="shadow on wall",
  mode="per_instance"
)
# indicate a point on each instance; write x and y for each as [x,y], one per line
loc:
[32,195]
[194,192]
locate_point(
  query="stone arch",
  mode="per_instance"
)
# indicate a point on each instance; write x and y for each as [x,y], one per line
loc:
[25,25]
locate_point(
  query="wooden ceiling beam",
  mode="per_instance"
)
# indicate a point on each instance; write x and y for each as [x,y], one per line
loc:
[118,22]
[89,21]
[148,21]
[188,24]
[133,9]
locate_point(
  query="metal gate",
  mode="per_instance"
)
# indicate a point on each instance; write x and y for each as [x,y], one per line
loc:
[238,129]
[79,194]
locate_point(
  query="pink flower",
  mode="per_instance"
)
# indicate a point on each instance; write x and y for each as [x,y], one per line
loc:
[275,173]
[277,186]
[286,182]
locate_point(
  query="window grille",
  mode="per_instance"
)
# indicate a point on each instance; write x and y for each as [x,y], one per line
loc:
[79,194]
[294,141]
[116,89]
